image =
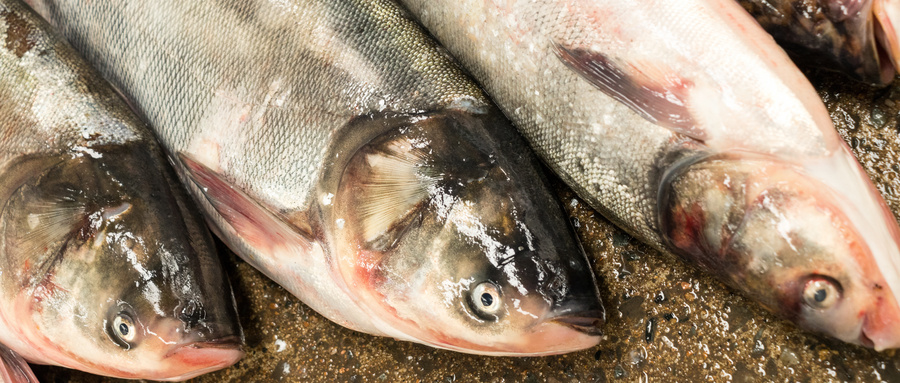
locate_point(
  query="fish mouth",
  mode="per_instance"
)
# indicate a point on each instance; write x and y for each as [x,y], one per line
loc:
[197,358]
[864,339]
[231,342]
[588,322]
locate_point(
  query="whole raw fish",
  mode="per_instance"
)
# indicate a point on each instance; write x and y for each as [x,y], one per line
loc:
[684,123]
[336,149]
[103,267]
[14,369]
[857,37]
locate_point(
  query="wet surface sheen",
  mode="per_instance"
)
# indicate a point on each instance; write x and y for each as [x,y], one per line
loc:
[665,319]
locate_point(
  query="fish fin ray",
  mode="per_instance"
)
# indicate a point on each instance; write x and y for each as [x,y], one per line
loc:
[255,224]
[14,368]
[395,188]
[653,93]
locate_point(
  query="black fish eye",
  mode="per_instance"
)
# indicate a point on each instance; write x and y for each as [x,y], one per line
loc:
[821,292]
[123,327]
[486,300]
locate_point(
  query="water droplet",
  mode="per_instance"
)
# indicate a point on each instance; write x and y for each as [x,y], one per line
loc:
[619,372]
[637,356]
[650,330]
[879,118]
[789,358]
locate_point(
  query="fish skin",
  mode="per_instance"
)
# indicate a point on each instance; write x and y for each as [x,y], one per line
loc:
[685,124]
[104,267]
[412,209]
[854,37]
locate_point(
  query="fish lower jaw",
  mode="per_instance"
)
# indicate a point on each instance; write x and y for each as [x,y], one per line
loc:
[198,358]
[865,341]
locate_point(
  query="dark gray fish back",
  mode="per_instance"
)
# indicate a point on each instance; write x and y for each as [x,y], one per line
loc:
[830,34]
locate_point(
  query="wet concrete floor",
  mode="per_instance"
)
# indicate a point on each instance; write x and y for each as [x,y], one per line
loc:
[667,321]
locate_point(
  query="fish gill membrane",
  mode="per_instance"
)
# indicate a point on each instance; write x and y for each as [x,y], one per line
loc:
[855,37]
[353,163]
[699,136]
[104,267]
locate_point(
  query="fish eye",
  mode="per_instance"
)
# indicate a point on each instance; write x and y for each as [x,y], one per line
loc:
[486,300]
[821,292]
[123,327]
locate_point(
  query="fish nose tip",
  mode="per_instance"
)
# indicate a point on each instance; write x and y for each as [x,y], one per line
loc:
[880,329]
[209,326]
[192,314]
[584,314]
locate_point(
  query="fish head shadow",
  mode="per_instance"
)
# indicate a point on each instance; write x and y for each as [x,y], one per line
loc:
[116,275]
[443,225]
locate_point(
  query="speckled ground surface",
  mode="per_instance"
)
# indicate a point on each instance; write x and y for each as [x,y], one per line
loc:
[666,320]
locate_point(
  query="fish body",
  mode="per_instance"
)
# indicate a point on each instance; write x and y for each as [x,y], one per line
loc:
[334,147]
[856,37]
[684,123]
[103,266]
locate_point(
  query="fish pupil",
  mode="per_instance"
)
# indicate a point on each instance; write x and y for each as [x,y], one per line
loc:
[487,300]
[123,329]
[821,294]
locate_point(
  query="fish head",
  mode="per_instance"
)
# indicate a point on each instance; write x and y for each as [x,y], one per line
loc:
[792,242]
[117,275]
[855,37]
[458,243]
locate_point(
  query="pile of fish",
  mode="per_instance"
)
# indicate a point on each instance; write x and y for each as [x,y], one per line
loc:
[339,150]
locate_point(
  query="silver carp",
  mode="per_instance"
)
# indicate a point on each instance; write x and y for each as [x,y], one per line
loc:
[684,123]
[859,38]
[339,151]
[103,266]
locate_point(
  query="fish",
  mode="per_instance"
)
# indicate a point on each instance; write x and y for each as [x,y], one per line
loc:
[858,38]
[333,146]
[686,125]
[105,264]
[14,369]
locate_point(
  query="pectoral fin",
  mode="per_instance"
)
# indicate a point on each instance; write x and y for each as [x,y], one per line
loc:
[388,185]
[256,225]
[654,93]
[13,368]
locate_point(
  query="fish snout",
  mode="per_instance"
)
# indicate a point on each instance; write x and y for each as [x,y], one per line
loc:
[196,358]
[881,324]
[584,314]
[590,322]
